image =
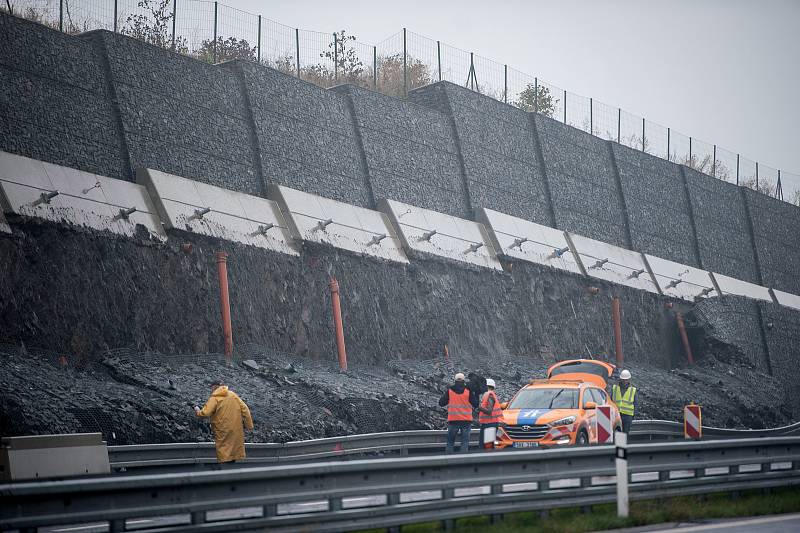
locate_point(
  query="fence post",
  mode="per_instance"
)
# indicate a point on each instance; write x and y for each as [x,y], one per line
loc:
[439,58]
[259,39]
[174,16]
[779,187]
[535,94]
[668,130]
[471,73]
[505,84]
[714,163]
[61,15]
[591,116]
[116,8]
[335,57]
[756,175]
[405,69]
[297,49]
[619,125]
[565,106]
[643,137]
[375,67]
[691,163]
[737,169]
[216,8]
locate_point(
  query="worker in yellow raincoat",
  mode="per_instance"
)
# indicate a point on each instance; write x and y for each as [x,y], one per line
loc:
[227,412]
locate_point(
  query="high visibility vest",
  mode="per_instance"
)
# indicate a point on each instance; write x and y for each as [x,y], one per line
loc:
[496,414]
[624,401]
[458,407]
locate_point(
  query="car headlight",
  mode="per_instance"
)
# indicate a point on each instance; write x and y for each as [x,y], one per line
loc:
[562,421]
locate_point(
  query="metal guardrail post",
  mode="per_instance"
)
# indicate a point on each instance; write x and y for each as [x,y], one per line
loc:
[297,49]
[405,65]
[258,58]
[622,473]
[174,16]
[216,9]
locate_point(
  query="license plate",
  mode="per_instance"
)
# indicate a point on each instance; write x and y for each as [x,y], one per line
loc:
[525,445]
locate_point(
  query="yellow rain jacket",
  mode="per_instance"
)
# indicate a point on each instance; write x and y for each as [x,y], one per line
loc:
[227,411]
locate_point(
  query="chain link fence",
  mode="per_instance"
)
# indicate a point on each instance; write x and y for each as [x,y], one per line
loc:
[214,32]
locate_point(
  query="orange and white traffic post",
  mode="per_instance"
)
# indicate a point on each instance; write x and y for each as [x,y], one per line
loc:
[693,422]
[604,429]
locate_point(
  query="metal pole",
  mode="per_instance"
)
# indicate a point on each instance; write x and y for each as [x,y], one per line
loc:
[535,95]
[224,302]
[405,65]
[375,67]
[297,49]
[714,163]
[565,106]
[779,187]
[737,169]
[619,125]
[756,175]
[61,15]
[668,131]
[643,137]
[591,116]
[259,38]
[335,57]
[505,83]
[174,12]
[691,164]
[687,348]
[216,7]
[439,58]
[116,9]
[471,76]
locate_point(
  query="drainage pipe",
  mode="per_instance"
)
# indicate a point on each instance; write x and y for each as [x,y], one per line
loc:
[337,322]
[224,302]
[616,318]
[684,338]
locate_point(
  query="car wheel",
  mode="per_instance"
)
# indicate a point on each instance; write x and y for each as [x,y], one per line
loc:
[583,438]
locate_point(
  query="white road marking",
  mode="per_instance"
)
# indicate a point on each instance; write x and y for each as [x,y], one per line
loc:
[735,523]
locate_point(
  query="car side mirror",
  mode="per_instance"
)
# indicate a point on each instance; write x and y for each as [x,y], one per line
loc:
[503,405]
[590,405]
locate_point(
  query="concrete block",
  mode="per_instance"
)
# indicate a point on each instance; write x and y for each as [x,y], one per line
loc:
[426,231]
[321,220]
[786,299]
[612,263]
[737,287]
[680,281]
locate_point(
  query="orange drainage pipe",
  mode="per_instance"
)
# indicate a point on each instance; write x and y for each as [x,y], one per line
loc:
[224,302]
[684,338]
[616,318]
[337,322]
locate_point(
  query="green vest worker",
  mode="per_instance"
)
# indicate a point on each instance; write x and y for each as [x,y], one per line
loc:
[624,395]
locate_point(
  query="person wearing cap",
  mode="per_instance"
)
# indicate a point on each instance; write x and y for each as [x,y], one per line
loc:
[489,416]
[228,414]
[624,395]
[460,402]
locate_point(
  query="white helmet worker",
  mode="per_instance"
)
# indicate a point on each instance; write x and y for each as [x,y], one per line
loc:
[490,383]
[625,374]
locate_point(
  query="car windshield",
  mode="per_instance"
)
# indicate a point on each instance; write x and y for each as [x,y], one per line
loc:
[545,398]
[582,367]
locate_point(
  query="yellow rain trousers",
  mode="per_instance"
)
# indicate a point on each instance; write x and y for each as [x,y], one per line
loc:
[227,412]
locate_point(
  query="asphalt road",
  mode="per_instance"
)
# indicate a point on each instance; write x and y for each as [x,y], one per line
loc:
[760,524]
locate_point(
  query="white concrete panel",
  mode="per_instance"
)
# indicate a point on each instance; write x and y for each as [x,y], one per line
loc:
[423,230]
[325,221]
[612,263]
[527,241]
[200,208]
[65,195]
[737,287]
[787,299]
[681,281]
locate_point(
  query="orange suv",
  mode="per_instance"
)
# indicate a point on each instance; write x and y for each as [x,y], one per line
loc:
[559,410]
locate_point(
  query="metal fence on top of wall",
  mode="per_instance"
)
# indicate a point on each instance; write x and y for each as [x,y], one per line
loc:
[214,32]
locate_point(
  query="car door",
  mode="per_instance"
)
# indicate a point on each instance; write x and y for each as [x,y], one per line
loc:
[589,414]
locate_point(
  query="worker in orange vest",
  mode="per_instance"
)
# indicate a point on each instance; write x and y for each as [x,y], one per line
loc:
[460,402]
[489,416]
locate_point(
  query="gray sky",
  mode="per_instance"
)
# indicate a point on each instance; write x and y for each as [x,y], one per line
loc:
[724,71]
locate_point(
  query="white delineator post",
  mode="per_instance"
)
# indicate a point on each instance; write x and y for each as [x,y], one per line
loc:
[621,440]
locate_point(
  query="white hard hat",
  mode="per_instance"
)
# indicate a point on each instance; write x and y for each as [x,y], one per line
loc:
[625,374]
[490,382]
[459,376]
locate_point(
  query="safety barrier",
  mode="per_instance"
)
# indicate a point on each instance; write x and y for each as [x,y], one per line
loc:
[196,207]
[60,194]
[382,493]
[521,239]
[430,232]
[324,221]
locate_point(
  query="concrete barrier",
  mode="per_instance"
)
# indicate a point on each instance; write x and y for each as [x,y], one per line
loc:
[680,281]
[614,264]
[727,285]
[46,456]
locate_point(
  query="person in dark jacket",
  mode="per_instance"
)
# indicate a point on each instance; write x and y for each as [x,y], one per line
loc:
[460,402]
